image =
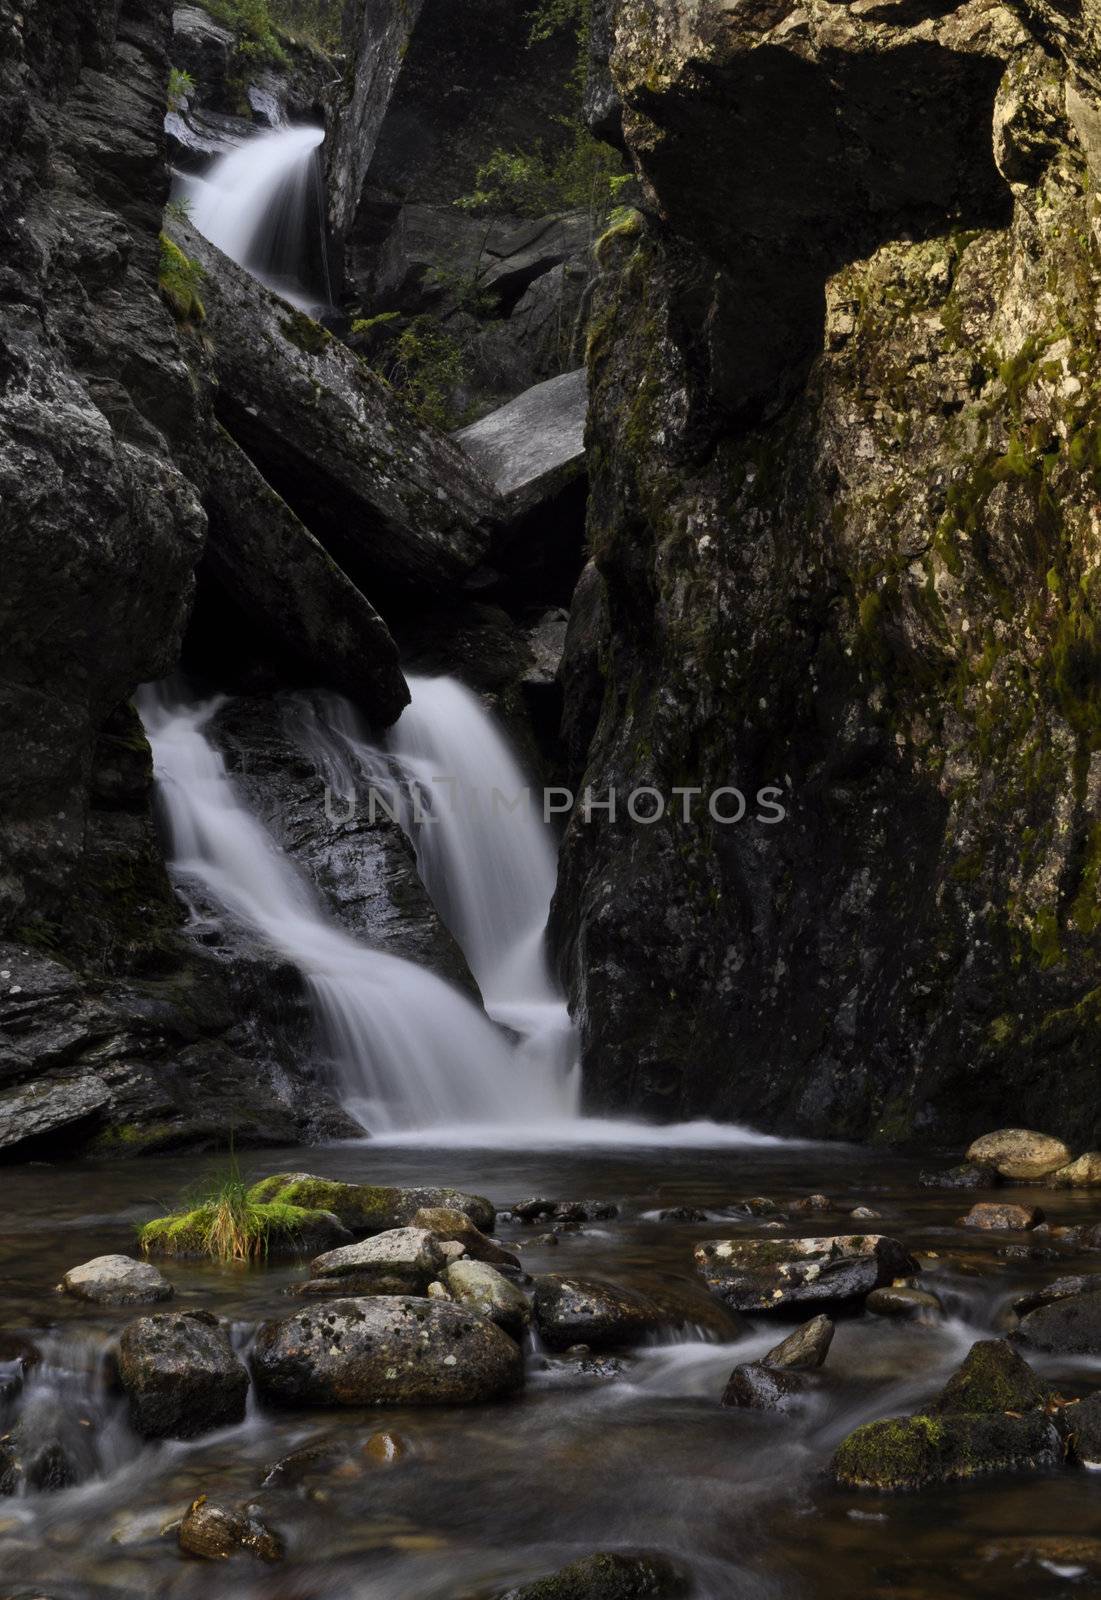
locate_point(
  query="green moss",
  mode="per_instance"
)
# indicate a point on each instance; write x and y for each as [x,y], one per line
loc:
[359,1206]
[276,1226]
[303,331]
[992,1379]
[898,1453]
[179,280]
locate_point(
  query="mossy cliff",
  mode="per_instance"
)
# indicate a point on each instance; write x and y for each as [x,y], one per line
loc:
[845,464]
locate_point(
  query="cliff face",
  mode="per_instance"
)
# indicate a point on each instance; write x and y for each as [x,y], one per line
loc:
[844,452]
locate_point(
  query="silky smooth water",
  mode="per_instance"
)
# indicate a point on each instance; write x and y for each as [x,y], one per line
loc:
[262,204]
[404,1048]
[488,1496]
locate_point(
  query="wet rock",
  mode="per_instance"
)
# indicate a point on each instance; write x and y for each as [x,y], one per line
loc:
[116,1281]
[864,1214]
[916,1452]
[312,1459]
[1001,1217]
[810,1204]
[291,589]
[1070,1326]
[1085,1173]
[803,1350]
[682,1214]
[1084,1423]
[759,1205]
[965,1176]
[370,1208]
[180,1375]
[18,1354]
[1045,1550]
[533,447]
[385,1449]
[215,1533]
[35,1110]
[571,1311]
[616,1575]
[535,1209]
[903,1301]
[1061,1289]
[385,1350]
[400,1261]
[1019,1153]
[755,1386]
[481,1287]
[456,1227]
[51,1446]
[771,1274]
[993,1378]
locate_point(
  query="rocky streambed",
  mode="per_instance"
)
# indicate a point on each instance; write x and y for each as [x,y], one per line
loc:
[628,1412]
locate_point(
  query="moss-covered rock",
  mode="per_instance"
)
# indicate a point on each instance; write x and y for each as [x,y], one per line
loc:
[915,1452]
[273,1228]
[992,1379]
[367,1207]
[612,1575]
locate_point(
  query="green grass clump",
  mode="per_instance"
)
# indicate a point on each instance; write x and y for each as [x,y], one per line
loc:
[228,1224]
[179,280]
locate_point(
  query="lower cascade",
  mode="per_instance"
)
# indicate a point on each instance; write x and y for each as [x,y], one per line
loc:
[404,1048]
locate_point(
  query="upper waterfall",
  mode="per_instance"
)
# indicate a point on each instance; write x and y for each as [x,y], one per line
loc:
[263,205]
[405,1049]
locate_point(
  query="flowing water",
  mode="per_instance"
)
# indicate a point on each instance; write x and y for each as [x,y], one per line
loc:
[491,1495]
[263,205]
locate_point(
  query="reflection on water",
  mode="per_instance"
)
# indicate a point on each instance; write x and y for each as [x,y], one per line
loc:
[642,1455]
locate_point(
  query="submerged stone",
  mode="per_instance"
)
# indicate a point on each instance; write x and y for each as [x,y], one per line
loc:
[215,1533]
[615,1575]
[771,1274]
[966,1176]
[903,1301]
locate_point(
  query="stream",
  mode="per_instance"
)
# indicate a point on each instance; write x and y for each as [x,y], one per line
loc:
[642,1457]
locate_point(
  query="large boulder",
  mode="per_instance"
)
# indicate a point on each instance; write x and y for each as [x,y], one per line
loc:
[916,1452]
[1069,1326]
[116,1281]
[1019,1153]
[291,589]
[385,1351]
[395,502]
[571,1311]
[534,446]
[772,1274]
[400,1261]
[455,1226]
[1084,1173]
[482,1288]
[371,1208]
[180,1375]
[992,1379]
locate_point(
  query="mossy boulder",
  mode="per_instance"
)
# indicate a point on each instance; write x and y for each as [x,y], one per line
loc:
[609,1575]
[992,1379]
[277,1228]
[902,1453]
[368,1207]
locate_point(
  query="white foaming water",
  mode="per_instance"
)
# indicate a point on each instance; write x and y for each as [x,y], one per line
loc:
[262,205]
[406,1049]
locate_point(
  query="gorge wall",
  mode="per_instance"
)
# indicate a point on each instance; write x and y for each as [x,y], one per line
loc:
[844,459]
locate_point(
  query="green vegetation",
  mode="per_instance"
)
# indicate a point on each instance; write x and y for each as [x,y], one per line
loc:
[363,1207]
[178,210]
[428,366]
[227,1224]
[317,21]
[179,280]
[255,30]
[303,331]
[898,1453]
[585,175]
[180,86]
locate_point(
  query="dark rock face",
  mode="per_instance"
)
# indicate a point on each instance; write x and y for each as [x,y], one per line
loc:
[180,1375]
[771,1274]
[571,1311]
[382,1351]
[1070,1326]
[834,403]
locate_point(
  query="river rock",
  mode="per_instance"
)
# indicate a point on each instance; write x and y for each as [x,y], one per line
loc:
[771,1274]
[1070,1326]
[992,1378]
[615,1575]
[181,1375]
[1084,1421]
[1085,1173]
[965,1176]
[116,1281]
[1002,1217]
[803,1350]
[682,1214]
[18,1354]
[572,1311]
[1019,1153]
[903,1301]
[385,1350]
[371,1208]
[215,1533]
[916,1452]
[400,1261]
[755,1386]
[481,1287]
[534,1209]
[1061,1289]
[456,1227]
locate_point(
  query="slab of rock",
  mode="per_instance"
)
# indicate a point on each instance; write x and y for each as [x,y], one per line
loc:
[772,1274]
[180,1375]
[615,1575]
[385,1350]
[1085,1173]
[286,583]
[1019,1153]
[400,1261]
[1070,1326]
[51,1106]
[481,1287]
[1061,1289]
[571,1311]
[1084,1421]
[532,448]
[116,1281]
[999,1217]
[916,1452]
[215,1533]
[395,502]
[456,1226]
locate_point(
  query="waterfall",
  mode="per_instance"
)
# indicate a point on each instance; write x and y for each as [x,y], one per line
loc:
[484,852]
[405,1049]
[263,205]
